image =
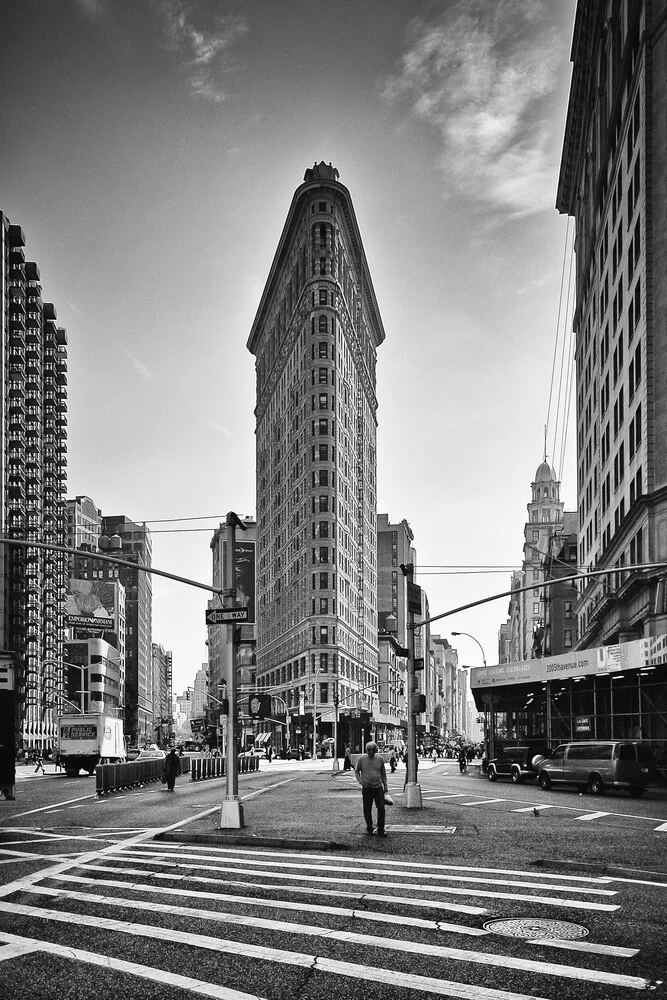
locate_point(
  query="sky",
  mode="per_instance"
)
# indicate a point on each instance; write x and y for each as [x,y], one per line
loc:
[150,151]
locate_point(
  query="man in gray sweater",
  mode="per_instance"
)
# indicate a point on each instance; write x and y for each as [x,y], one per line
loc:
[371,774]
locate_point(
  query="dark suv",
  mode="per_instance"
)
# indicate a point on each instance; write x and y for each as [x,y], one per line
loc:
[517,763]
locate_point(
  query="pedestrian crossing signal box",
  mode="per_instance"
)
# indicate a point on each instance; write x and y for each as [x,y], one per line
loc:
[418,704]
[259,706]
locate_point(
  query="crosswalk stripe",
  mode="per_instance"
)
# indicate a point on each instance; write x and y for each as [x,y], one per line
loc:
[172,979]
[450,890]
[588,947]
[596,815]
[663,826]
[214,850]
[296,958]
[433,904]
[159,856]
[280,904]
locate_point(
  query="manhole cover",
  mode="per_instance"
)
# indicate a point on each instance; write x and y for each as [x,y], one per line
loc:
[534,927]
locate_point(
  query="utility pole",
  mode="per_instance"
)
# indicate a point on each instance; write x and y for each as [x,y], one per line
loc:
[231,814]
[413,792]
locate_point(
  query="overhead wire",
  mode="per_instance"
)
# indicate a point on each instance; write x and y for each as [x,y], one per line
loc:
[560,304]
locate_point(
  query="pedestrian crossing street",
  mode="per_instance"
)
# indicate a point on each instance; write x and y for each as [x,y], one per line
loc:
[249,923]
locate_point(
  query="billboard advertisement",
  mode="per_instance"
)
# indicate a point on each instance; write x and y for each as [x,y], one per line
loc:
[91,604]
[598,661]
[244,564]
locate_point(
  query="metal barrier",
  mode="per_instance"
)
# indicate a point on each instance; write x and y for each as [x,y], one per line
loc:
[113,777]
[214,767]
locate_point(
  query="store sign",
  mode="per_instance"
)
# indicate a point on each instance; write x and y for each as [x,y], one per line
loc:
[599,661]
[582,724]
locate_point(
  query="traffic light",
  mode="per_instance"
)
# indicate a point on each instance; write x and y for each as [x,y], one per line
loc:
[418,704]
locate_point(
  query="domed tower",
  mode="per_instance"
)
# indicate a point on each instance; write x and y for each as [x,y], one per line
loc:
[545,518]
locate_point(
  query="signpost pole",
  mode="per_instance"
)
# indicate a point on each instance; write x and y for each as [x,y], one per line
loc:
[413,792]
[231,814]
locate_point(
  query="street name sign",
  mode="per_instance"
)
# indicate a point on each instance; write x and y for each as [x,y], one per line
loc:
[218,616]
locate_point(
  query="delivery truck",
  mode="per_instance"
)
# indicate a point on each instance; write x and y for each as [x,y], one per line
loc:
[84,741]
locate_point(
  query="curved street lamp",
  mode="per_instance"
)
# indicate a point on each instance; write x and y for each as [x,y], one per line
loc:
[474,640]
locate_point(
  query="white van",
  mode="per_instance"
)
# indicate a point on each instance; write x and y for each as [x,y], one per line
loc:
[599,765]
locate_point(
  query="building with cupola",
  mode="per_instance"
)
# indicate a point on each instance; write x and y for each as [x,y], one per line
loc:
[522,636]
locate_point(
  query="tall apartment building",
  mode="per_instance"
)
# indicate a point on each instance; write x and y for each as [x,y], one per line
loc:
[33,459]
[137,548]
[163,724]
[96,615]
[315,338]
[613,182]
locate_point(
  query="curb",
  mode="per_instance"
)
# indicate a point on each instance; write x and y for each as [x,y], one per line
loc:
[220,837]
[599,869]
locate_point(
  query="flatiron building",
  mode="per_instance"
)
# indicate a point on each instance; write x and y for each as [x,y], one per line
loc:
[315,338]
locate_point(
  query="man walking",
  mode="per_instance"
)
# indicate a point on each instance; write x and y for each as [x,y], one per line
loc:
[39,761]
[171,768]
[371,774]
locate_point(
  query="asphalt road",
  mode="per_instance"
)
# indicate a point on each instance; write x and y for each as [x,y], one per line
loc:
[92,905]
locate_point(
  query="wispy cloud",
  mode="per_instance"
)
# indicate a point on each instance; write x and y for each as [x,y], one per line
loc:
[201,40]
[140,367]
[217,427]
[479,74]
[95,9]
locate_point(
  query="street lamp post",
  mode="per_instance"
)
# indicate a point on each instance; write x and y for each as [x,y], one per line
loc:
[474,640]
[492,726]
[315,682]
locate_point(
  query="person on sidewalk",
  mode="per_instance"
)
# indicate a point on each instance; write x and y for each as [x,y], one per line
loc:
[39,762]
[171,768]
[347,761]
[371,774]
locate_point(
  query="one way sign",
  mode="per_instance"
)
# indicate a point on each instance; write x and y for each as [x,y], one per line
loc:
[217,616]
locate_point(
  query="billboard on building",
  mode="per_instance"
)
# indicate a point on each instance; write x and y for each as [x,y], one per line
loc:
[598,661]
[91,604]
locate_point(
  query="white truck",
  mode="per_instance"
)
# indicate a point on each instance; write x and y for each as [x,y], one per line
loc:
[84,741]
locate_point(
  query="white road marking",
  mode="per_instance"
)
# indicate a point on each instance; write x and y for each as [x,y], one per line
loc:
[596,815]
[387,863]
[296,890]
[450,890]
[296,958]
[663,826]
[588,947]
[420,829]
[69,802]
[337,911]
[450,795]
[377,869]
[529,809]
[481,802]
[20,946]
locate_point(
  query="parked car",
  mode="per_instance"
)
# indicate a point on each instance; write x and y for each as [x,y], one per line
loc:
[517,763]
[599,765]
[150,754]
[253,752]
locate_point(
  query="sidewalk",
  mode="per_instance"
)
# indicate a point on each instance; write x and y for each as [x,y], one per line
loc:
[311,810]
